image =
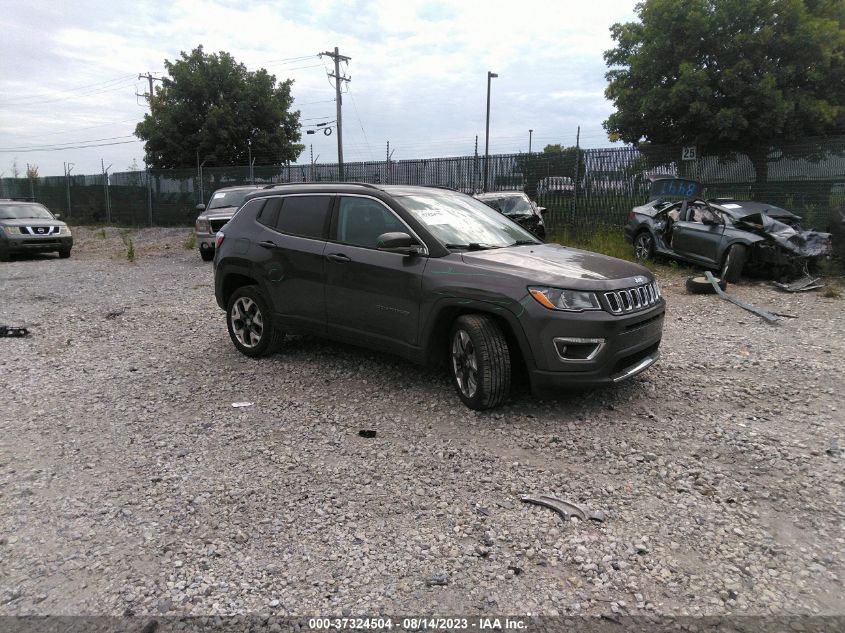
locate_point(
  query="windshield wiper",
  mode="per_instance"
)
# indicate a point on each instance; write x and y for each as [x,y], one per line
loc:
[522,243]
[473,246]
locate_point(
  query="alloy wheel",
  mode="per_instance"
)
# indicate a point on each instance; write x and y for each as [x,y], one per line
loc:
[642,246]
[465,363]
[247,322]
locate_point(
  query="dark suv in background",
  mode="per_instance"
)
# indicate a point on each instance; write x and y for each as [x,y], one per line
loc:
[432,274]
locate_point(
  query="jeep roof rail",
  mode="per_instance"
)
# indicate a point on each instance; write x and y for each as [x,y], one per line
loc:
[320,182]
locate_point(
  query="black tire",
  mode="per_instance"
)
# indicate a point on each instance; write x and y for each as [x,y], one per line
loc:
[700,285]
[5,255]
[643,245]
[257,329]
[477,339]
[64,253]
[734,263]
[207,254]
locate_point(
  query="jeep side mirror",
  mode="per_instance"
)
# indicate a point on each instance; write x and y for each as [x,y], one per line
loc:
[200,208]
[58,216]
[397,242]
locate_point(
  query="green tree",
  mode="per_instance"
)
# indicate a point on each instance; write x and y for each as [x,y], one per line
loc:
[213,107]
[730,76]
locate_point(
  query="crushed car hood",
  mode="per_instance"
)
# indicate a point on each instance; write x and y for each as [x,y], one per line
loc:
[560,266]
[800,243]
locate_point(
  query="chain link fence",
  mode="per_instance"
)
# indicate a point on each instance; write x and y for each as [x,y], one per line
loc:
[582,188]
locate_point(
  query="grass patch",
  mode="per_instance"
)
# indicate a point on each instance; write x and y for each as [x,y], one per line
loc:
[130,247]
[190,243]
[832,291]
[101,234]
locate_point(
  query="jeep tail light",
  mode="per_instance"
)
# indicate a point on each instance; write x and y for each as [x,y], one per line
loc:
[218,239]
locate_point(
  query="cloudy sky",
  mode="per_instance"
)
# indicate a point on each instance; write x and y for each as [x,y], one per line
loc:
[69,72]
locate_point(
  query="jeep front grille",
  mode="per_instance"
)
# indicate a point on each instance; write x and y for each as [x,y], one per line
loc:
[633,299]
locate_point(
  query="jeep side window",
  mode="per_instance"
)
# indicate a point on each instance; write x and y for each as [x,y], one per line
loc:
[269,215]
[360,221]
[305,216]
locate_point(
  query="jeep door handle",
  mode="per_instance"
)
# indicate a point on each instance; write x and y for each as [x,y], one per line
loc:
[269,244]
[340,258]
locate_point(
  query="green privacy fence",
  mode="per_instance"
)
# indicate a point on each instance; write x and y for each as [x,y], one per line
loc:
[583,188]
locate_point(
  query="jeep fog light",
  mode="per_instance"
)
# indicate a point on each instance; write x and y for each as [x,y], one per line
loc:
[578,349]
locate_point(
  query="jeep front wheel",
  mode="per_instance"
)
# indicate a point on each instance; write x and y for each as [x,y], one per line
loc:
[479,361]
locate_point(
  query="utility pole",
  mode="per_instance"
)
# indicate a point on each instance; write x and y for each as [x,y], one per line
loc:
[577,162]
[149,77]
[106,189]
[68,167]
[475,167]
[490,75]
[530,134]
[249,157]
[337,57]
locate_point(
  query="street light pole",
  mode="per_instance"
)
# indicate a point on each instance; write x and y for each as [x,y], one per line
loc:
[490,75]
[530,134]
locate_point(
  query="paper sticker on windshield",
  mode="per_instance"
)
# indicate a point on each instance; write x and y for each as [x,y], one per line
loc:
[217,196]
[434,216]
[732,206]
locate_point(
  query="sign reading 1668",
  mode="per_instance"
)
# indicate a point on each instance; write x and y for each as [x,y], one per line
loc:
[688,153]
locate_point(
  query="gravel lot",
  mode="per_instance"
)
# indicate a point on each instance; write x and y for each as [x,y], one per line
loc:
[129,483]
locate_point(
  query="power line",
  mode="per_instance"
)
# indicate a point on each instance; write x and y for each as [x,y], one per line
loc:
[358,116]
[69,98]
[59,149]
[29,97]
[93,140]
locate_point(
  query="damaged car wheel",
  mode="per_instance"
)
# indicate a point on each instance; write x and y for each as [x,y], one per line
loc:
[643,245]
[700,285]
[734,263]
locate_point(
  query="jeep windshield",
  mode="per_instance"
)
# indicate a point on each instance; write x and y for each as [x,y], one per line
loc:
[463,222]
[223,199]
[24,212]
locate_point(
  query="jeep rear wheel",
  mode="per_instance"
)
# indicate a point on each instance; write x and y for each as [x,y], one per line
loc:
[207,254]
[479,361]
[250,323]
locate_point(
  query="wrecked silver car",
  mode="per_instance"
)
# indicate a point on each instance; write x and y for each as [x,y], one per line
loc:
[722,234]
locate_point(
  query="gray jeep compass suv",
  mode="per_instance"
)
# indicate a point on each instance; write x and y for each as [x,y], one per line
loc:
[432,275]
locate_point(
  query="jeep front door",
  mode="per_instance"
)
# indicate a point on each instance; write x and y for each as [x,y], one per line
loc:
[371,294]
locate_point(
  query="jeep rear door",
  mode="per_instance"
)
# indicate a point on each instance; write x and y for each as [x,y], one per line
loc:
[372,296]
[294,234]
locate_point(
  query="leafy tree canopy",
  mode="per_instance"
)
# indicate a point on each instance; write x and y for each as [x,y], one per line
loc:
[728,75]
[214,107]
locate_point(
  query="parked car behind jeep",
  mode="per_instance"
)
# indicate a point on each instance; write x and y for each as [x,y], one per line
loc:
[222,206]
[433,275]
[518,207]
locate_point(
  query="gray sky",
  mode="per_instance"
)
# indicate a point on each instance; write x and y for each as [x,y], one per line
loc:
[69,72]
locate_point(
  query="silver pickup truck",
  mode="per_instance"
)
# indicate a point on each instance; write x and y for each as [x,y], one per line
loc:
[222,206]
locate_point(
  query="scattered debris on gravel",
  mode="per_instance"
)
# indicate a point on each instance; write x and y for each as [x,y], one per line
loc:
[130,484]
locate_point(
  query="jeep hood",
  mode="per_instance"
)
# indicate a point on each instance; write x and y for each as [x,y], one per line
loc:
[560,266]
[32,222]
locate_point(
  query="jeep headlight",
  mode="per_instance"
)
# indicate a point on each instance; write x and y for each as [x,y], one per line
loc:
[11,231]
[568,300]
[203,226]
[64,230]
